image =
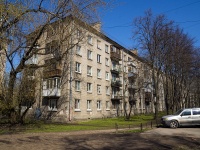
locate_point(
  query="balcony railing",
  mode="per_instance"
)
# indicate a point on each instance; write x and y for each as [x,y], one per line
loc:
[52,92]
[116,97]
[115,56]
[115,69]
[116,83]
[52,73]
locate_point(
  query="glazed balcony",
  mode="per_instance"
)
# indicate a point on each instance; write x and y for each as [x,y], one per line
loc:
[116,97]
[52,73]
[52,92]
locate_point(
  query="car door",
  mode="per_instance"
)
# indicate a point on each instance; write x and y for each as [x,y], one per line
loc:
[196,116]
[186,117]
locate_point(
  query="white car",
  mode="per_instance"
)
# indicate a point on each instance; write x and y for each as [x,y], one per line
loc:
[183,117]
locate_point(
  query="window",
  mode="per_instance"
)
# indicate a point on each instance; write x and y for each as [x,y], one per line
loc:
[89,87]
[125,69]
[115,104]
[186,113]
[89,54]
[51,83]
[98,73]
[196,112]
[107,105]
[98,89]
[90,39]
[78,50]
[107,75]
[129,59]
[77,104]
[98,58]
[107,90]
[52,104]
[89,70]
[125,58]
[89,103]
[114,49]
[98,44]
[78,67]
[79,34]
[106,48]
[107,61]
[77,85]
[98,105]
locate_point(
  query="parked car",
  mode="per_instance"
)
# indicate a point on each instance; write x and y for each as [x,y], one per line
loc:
[183,117]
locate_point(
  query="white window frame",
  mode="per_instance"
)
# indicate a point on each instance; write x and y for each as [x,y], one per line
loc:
[90,40]
[89,87]
[77,104]
[98,58]
[78,50]
[106,48]
[99,44]
[98,104]
[50,106]
[107,90]
[107,105]
[98,73]
[98,89]
[78,85]
[89,70]
[106,61]
[89,54]
[78,67]
[107,75]
[89,105]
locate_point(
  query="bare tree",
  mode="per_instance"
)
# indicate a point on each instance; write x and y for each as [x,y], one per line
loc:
[25,23]
[170,53]
[150,35]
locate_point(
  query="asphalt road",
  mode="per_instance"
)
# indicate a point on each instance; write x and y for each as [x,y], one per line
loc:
[156,139]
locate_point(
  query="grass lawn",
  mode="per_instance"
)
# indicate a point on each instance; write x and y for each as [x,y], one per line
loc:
[94,124]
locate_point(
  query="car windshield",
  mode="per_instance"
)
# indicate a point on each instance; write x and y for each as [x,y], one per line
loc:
[178,112]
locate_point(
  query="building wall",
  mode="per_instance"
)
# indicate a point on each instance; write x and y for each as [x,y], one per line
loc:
[75,106]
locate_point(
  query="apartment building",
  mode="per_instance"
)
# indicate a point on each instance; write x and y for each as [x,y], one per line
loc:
[94,78]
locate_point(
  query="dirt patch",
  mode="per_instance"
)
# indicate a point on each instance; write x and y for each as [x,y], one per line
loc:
[96,140]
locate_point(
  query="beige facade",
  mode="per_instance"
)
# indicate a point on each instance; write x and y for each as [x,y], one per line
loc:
[96,78]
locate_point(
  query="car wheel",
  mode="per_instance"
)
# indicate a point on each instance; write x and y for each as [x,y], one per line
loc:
[174,124]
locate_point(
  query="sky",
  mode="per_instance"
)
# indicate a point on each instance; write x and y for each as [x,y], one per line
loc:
[116,20]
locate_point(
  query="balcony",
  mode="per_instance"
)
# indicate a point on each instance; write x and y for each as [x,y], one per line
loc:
[116,83]
[115,56]
[116,70]
[52,92]
[52,73]
[116,97]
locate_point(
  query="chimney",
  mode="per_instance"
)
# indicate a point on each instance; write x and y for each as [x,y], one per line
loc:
[97,26]
[134,51]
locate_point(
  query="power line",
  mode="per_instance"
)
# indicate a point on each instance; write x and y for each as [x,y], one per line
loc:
[130,24]
[181,7]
